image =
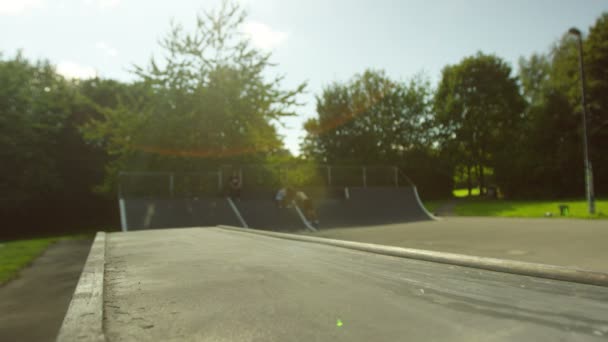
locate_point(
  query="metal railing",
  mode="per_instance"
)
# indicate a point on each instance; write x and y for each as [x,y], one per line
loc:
[168,184]
[257,176]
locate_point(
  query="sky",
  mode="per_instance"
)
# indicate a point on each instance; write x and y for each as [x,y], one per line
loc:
[314,41]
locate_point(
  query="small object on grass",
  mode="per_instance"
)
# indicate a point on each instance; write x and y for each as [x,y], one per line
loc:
[339,323]
[564,210]
[548,214]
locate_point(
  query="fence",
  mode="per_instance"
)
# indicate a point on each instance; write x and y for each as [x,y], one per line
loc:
[168,184]
[256,177]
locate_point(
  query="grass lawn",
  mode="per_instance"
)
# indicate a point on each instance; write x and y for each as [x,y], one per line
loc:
[14,255]
[17,254]
[465,192]
[505,208]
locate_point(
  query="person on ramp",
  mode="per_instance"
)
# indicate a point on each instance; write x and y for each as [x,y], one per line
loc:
[280,197]
[308,207]
[284,197]
[234,187]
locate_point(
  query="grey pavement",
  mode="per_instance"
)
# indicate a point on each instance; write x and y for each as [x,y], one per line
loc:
[216,285]
[33,305]
[561,242]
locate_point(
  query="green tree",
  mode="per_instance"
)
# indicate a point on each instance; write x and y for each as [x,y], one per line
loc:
[208,101]
[84,159]
[369,119]
[47,168]
[551,163]
[549,158]
[372,120]
[596,64]
[479,110]
[35,103]
[534,73]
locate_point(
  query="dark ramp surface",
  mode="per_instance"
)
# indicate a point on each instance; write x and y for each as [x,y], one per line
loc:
[179,212]
[260,211]
[216,285]
[369,206]
[364,207]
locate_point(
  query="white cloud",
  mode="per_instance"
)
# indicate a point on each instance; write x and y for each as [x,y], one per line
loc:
[252,2]
[103,4]
[15,7]
[262,36]
[107,49]
[74,70]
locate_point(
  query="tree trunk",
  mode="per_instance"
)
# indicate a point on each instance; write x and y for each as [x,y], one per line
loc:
[469,183]
[481,178]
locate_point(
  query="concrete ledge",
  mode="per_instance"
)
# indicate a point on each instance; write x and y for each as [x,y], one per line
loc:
[84,319]
[491,264]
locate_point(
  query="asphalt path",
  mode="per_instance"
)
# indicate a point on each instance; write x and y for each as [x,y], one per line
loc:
[218,285]
[33,305]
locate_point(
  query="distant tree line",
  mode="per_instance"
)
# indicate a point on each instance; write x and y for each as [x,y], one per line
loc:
[482,125]
[209,102]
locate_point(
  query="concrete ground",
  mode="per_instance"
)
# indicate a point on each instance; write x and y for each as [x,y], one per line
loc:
[212,284]
[562,242]
[33,305]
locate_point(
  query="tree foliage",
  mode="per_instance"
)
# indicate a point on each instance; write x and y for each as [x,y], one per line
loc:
[373,120]
[35,104]
[208,101]
[370,119]
[48,170]
[596,57]
[479,110]
[551,161]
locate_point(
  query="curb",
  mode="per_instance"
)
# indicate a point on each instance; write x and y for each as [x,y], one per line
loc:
[490,264]
[84,318]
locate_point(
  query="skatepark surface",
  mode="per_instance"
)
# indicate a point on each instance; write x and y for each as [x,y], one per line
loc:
[226,284]
[562,242]
[213,284]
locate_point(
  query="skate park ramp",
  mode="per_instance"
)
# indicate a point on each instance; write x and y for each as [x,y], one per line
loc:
[259,210]
[149,213]
[336,207]
[352,207]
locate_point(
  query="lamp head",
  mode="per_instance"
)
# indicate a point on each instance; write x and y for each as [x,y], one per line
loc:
[574,31]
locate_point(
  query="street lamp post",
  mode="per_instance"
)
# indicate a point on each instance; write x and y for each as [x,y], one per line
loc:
[588,171]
